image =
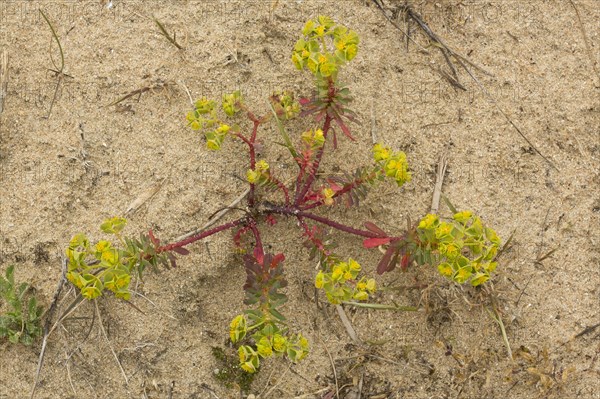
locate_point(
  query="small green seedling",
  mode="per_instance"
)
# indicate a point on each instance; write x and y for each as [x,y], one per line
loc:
[22,321]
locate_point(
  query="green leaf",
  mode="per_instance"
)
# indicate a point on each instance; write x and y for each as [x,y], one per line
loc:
[286,138]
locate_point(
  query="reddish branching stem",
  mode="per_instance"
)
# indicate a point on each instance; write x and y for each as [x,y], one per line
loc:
[200,236]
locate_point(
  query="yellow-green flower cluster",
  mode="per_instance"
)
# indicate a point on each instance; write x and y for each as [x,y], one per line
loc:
[232,103]
[285,105]
[340,284]
[327,194]
[204,117]
[466,247]
[314,138]
[394,164]
[269,341]
[214,138]
[260,174]
[114,274]
[311,51]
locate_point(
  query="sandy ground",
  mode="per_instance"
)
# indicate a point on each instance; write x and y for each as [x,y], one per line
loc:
[65,173]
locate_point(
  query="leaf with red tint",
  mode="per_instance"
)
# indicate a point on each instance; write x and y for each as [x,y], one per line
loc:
[277,259]
[181,251]
[304,101]
[154,240]
[405,261]
[259,255]
[344,128]
[384,263]
[271,221]
[374,229]
[172,259]
[375,242]
[334,186]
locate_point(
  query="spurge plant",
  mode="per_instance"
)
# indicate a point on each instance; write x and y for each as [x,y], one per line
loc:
[462,248]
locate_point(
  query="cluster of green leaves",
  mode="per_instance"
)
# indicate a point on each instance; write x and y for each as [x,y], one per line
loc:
[340,284]
[463,248]
[260,174]
[22,320]
[204,117]
[284,104]
[268,340]
[263,330]
[311,51]
[104,266]
[394,164]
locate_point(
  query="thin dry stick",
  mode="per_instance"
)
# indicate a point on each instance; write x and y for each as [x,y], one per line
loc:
[139,92]
[439,181]
[3,78]
[277,383]
[346,322]
[58,71]
[187,91]
[496,316]
[337,387]
[108,341]
[585,39]
[163,31]
[47,330]
[215,218]
[373,124]
[67,364]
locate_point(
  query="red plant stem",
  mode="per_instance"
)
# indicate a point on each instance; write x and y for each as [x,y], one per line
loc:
[291,211]
[310,236]
[245,140]
[252,155]
[200,236]
[344,190]
[315,166]
[338,226]
[258,247]
[283,188]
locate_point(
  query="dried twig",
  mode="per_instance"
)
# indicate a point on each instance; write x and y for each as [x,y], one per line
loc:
[58,71]
[3,78]
[337,387]
[108,342]
[163,31]
[586,41]
[347,325]
[216,217]
[139,92]
[439,181]
[49,313]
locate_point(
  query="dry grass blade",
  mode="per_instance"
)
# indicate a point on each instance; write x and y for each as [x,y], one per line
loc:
[216,217]
[337,386]
[347,324]
[139,92]
[439,181]
[144,197]
[163,31]
[58,71]
[48,314]
[586,41]
[3,78]
[108,342]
